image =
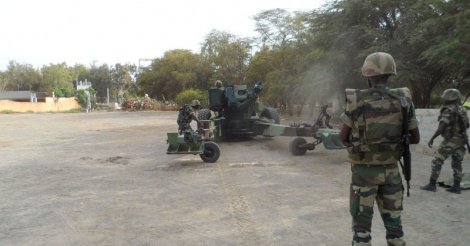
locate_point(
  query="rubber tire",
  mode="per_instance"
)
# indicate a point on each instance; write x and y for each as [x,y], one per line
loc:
[211,152]
[270,113]
[294,146]
[203,114]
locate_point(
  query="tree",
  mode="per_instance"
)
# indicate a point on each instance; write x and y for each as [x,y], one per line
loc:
[123,78]
[22,77]
[227,55]
[101,80]
[176,71]
[282,40]
[57,75]
[3,81]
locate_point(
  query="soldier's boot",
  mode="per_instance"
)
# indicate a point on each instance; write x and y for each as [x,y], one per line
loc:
[455,188]
[431,186]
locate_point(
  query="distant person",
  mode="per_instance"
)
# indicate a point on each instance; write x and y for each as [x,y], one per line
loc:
[453,125]
[218,84]
[187,114]
[373,131]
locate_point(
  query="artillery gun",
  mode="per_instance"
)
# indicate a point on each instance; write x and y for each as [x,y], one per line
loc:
[239,114]
[194,142]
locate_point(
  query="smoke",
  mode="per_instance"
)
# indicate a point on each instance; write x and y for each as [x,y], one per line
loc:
[317,86]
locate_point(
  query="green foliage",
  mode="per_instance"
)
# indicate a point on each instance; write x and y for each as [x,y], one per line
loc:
[101,77]
[132,103]
[186,96]
[81,97]
[123,79]
[62,92]
[176,71]
[227,55]
[57,76]
[22,77]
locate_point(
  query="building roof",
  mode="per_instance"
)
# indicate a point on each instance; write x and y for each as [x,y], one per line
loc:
[15,95]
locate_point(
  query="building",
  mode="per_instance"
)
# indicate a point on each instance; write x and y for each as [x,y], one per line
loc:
[23,96]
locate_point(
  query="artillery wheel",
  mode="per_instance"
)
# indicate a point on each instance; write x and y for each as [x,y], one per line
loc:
[271,114]
[297,146]
[203,114]
[211,152]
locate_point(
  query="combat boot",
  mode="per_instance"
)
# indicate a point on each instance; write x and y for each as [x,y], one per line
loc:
[431,186]
[455,188]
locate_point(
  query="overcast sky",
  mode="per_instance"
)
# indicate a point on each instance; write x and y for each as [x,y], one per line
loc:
[40,32]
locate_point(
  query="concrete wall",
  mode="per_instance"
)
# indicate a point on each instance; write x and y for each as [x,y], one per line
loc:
[51,105]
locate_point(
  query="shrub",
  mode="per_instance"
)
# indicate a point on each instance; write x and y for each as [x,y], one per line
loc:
[81,97]
[140,103]
[185,97]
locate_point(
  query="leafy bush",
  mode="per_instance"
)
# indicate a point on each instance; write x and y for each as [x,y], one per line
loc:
[62,92]
[185,97]
[81,97]
[132,103]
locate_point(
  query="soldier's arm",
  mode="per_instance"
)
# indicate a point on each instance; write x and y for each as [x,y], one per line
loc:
[346,128]
[415,136]
[344,134]
[439,131]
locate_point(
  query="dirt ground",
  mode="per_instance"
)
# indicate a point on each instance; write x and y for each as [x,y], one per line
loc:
[103,178]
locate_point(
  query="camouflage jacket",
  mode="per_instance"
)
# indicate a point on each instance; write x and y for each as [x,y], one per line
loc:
[456,119]
[186,114]
[375,118]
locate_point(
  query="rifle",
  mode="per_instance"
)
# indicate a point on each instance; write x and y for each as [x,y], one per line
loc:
[406,165]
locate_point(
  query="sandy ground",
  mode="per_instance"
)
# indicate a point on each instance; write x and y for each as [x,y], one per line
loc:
[104,179]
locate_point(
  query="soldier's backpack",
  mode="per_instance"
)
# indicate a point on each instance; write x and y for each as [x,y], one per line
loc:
[184,115]
[458,120]
[377,124]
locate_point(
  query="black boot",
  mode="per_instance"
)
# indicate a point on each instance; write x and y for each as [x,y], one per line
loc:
[431,186]
[455,188]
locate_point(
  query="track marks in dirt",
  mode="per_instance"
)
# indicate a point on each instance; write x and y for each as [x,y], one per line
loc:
[429,233]
[237,207]
[115,160]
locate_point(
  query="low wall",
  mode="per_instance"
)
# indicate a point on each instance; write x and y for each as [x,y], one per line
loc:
[51,105]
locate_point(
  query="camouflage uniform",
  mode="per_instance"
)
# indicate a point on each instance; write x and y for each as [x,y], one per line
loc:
[186,115]
[374,116]
[453,143]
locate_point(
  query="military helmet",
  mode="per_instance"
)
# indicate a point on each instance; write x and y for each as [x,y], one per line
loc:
[218,83]
[379,63]
[450,95]
[195,104]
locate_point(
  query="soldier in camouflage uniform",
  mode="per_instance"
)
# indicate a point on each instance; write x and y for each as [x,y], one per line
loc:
[186,115]
[453,124]
[372,130]
[219,85]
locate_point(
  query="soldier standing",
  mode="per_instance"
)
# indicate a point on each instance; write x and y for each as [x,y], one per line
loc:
[186,115]
[453,124]
[373,131]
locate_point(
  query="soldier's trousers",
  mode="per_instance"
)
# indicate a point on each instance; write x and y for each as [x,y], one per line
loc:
[381,184]
[183,127]
[454,148]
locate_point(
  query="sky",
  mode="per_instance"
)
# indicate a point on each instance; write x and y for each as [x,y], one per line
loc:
[121,31]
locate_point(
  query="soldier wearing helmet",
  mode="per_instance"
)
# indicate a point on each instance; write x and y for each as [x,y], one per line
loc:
[218,84]
[453,124]
[186,114]
[372,130]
